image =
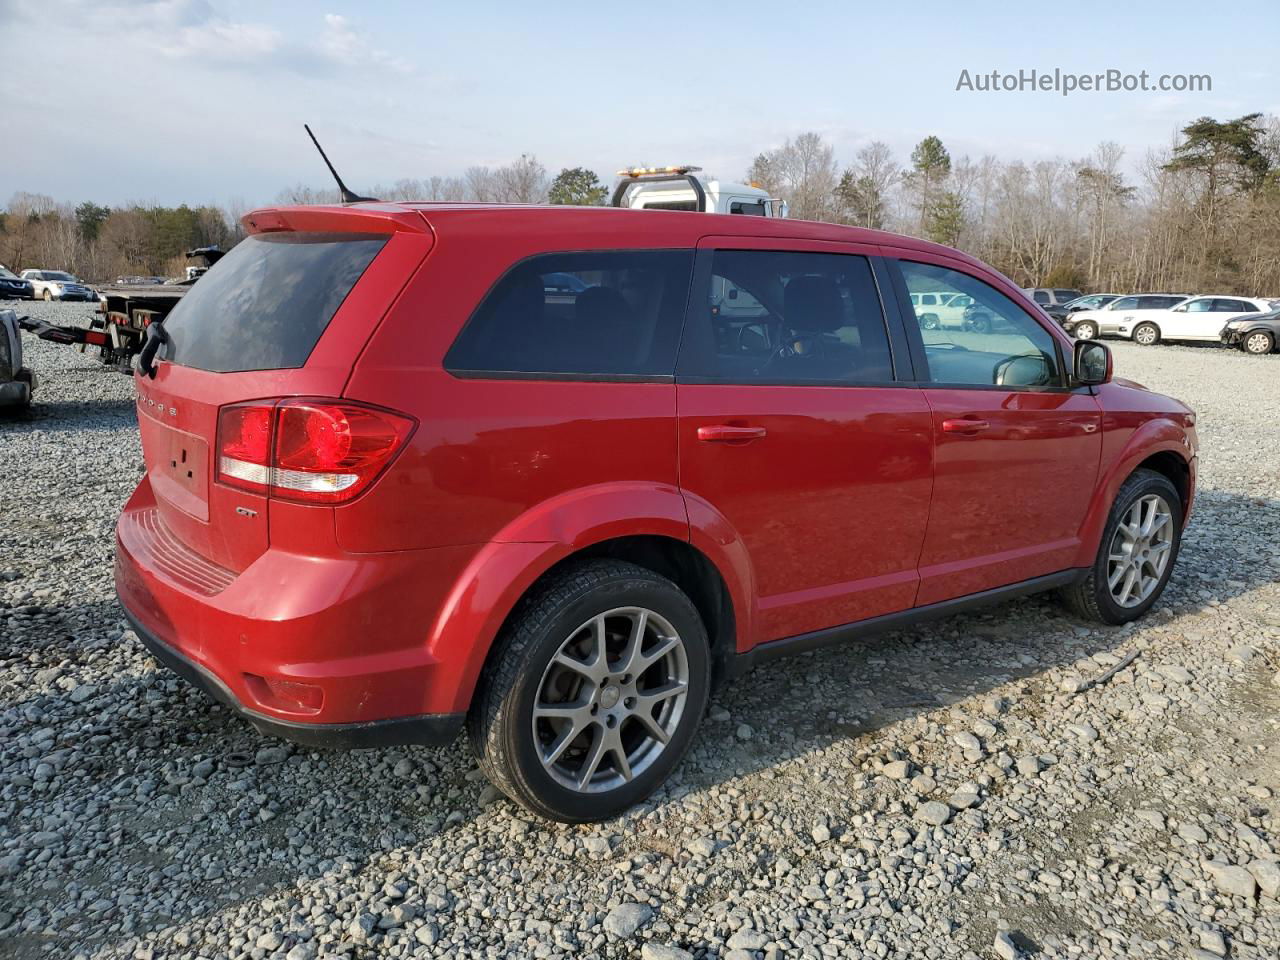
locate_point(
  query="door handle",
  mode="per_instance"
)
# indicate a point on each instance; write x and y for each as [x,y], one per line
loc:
[723,433]
[964,425]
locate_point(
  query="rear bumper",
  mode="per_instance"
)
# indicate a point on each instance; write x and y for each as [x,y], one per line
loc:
[325,650]
[430,729]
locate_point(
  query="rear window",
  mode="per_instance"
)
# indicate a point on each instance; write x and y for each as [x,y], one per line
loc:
[265,304]
[579,315]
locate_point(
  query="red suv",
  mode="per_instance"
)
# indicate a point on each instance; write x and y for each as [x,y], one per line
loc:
[550,473]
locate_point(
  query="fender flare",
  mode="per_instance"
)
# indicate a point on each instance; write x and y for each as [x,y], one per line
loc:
[1155,436]
[503,570]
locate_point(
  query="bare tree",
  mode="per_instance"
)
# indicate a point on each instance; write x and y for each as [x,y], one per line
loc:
[803,172]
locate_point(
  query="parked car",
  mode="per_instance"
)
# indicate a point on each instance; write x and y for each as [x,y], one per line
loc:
[13,287]
[934,310]
[1119,316]
[58,285]
[1091,301]
[1197,318]
[1255,333]
[1046,297]
[395,489]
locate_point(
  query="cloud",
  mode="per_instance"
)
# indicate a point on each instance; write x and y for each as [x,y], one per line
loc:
[198,31]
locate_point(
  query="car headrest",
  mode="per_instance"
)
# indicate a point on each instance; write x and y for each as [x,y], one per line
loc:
[813,304]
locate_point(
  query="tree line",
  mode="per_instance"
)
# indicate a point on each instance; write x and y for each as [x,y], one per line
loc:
[1201,214]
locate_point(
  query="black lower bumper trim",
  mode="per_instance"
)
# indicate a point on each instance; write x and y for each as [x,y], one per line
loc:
[432,729]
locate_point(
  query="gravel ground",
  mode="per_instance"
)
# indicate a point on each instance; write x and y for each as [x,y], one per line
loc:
[943,792]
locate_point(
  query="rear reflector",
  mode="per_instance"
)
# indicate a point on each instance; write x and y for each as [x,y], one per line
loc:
[313,451]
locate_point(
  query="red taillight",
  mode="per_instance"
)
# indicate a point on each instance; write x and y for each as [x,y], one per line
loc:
[315,451]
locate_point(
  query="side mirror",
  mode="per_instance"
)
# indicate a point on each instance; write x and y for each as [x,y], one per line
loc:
[1181,309]
[1091,363]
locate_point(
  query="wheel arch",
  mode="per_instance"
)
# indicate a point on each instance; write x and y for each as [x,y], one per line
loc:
[1158,445]
[702,558]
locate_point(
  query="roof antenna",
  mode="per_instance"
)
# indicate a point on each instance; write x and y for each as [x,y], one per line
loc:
[347,195]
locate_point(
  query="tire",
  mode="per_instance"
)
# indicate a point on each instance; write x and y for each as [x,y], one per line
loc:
[555,625]
[1146,334]
[929,322]
[980,324]
[1094,598]
[1258,343]
[1085,331]
[47,296]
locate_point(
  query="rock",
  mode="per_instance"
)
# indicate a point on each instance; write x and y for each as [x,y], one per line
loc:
[427,934]
[995,706]
[662,951]
[203,769]
[1084,731]
[83,692]
[718,715]
[933,812]
[1072,684]
[1192,833]
[626,918]
[403,768]
[489,795]
[745,732]
[1231,880]
[1267,873]
[1153,817]
[1175,674]
[922,783]
[361,928]
[984,728]
[302,951]
[596,845]
[747,939]
[1212,941]
[821,833]
[967,741]
[1276,679]
[1241,655]
[701,846]
[267,756]
[1004,946]
[965,796]
[271,940]
[1028,766]
[897,770]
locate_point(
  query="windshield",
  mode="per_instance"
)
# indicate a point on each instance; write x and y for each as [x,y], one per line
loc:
[56,275]
[265,304]
[8,274]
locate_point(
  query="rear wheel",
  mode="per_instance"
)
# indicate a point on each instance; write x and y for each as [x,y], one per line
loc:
[593,692]
[1137,554]
[980,323]
[929,321]
[1085,331]
[1146,334]
[1258,342]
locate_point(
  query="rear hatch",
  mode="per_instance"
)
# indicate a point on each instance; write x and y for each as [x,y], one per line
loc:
[285,314]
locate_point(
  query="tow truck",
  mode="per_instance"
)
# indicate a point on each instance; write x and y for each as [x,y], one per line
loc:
[125,311]
[683,187]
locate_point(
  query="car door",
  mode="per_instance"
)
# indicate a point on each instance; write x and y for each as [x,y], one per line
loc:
[1119,313]
[1016,451]
[797,438]
[1187,319]
[1225,309]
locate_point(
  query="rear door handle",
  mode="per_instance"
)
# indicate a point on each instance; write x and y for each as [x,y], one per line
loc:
[723,433]
[964,425]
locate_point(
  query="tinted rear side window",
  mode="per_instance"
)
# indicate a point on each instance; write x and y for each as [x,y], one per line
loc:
[620,317]
[265,304]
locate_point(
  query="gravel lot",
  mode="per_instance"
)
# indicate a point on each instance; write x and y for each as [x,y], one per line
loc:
[937,793]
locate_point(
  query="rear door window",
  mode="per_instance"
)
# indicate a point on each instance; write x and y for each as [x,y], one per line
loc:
[818,319]
[619,316]
[265,304]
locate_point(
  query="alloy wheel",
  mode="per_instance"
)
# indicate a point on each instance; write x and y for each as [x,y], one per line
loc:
[610,700]
[1140,551]
[1145,335]
[1258,343]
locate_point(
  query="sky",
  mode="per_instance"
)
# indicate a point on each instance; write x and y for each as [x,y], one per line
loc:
[169,101]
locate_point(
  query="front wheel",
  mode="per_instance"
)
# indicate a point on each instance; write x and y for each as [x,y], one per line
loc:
[1085,331]
[48,296]
[1137,554]
[980,324]
[1259,342]
[1146,334]
[592,693]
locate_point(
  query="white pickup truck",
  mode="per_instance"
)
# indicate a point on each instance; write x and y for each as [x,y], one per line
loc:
[683,187]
